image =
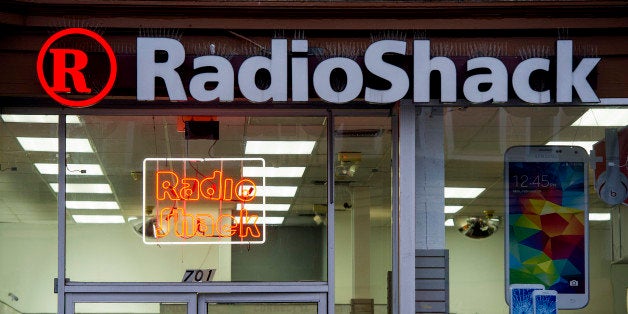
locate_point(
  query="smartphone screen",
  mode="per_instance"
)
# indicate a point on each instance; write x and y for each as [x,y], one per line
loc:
[521,298]
[544,302]
[547,236]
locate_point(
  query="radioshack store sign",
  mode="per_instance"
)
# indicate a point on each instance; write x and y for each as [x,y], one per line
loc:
[291,80]
[203,201]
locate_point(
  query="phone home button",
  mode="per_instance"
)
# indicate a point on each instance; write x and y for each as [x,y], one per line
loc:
[572,300]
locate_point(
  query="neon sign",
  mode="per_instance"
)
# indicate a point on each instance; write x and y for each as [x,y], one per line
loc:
[199,201]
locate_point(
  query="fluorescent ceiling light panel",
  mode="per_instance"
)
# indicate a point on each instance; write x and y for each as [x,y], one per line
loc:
[274,191]
[51,144]
[261,220]
[71,169]
[599,216]
[98,219]
[463,192]
[273,172]
[587,145]
[449,222]
[27,118]
[279,147]
[267,207]
[91,205]
[452,209]
[90,188]
[603,117]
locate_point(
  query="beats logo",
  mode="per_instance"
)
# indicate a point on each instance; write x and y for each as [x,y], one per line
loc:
[611,168]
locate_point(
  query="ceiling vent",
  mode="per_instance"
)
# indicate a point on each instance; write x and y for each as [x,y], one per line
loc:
[359,133]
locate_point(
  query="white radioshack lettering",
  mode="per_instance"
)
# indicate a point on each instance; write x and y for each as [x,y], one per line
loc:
[493,74]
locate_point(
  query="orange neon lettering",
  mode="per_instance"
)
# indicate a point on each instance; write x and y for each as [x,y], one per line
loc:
[166,214]
[166,183]
[190,190]
[187,226]
[248,195]
[203,227]
[209,189]
[177,222]
[226,229]
[248,223]
[228,194]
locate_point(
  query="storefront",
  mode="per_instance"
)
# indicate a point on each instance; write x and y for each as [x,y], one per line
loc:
[288,157]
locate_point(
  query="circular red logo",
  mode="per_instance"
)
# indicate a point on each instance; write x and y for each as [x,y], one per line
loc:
[61,70]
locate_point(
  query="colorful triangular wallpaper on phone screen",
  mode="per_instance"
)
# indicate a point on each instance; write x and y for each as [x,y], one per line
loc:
[547,226]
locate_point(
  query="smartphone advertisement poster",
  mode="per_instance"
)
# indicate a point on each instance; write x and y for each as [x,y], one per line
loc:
[547,219]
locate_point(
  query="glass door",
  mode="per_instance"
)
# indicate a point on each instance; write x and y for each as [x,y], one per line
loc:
[254,303]
[161,303]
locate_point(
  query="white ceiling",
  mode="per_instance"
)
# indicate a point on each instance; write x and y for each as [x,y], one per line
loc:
[475,140]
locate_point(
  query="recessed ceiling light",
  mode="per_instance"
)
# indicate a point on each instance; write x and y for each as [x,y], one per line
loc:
[71,169]
[27,118]
[603,117]
[90,188]
[452,209]
[51,144]
[98,219]
[91,205]
[587,145]
[279,147]
[449,222]
[451,192]
[261,220]
[274,191]
[273,172]
[267,207]
[599,216]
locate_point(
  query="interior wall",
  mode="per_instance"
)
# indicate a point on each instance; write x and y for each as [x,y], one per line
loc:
[5,309]
[381,262]
[344,258]
[113,253]
[100,252]
[380,259]
[619,278]
[476,273]
[28,266]
[294,253]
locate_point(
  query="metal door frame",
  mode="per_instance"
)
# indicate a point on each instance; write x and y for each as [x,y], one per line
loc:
[195,294]
[96,297]
[196,302]
[319,298]
[69,292]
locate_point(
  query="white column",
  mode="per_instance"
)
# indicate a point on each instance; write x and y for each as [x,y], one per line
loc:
[430,179]
[421,192]
[406,219]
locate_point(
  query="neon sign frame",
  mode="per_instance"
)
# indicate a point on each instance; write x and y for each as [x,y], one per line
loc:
[167,185]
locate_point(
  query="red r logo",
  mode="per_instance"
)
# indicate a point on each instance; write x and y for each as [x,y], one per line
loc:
[61,69]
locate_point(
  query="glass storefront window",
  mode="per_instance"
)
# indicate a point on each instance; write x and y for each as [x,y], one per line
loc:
[293,150]
[136,307]
[362,197]
[475,142]
[104,167]
[28,213]
[254,308]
